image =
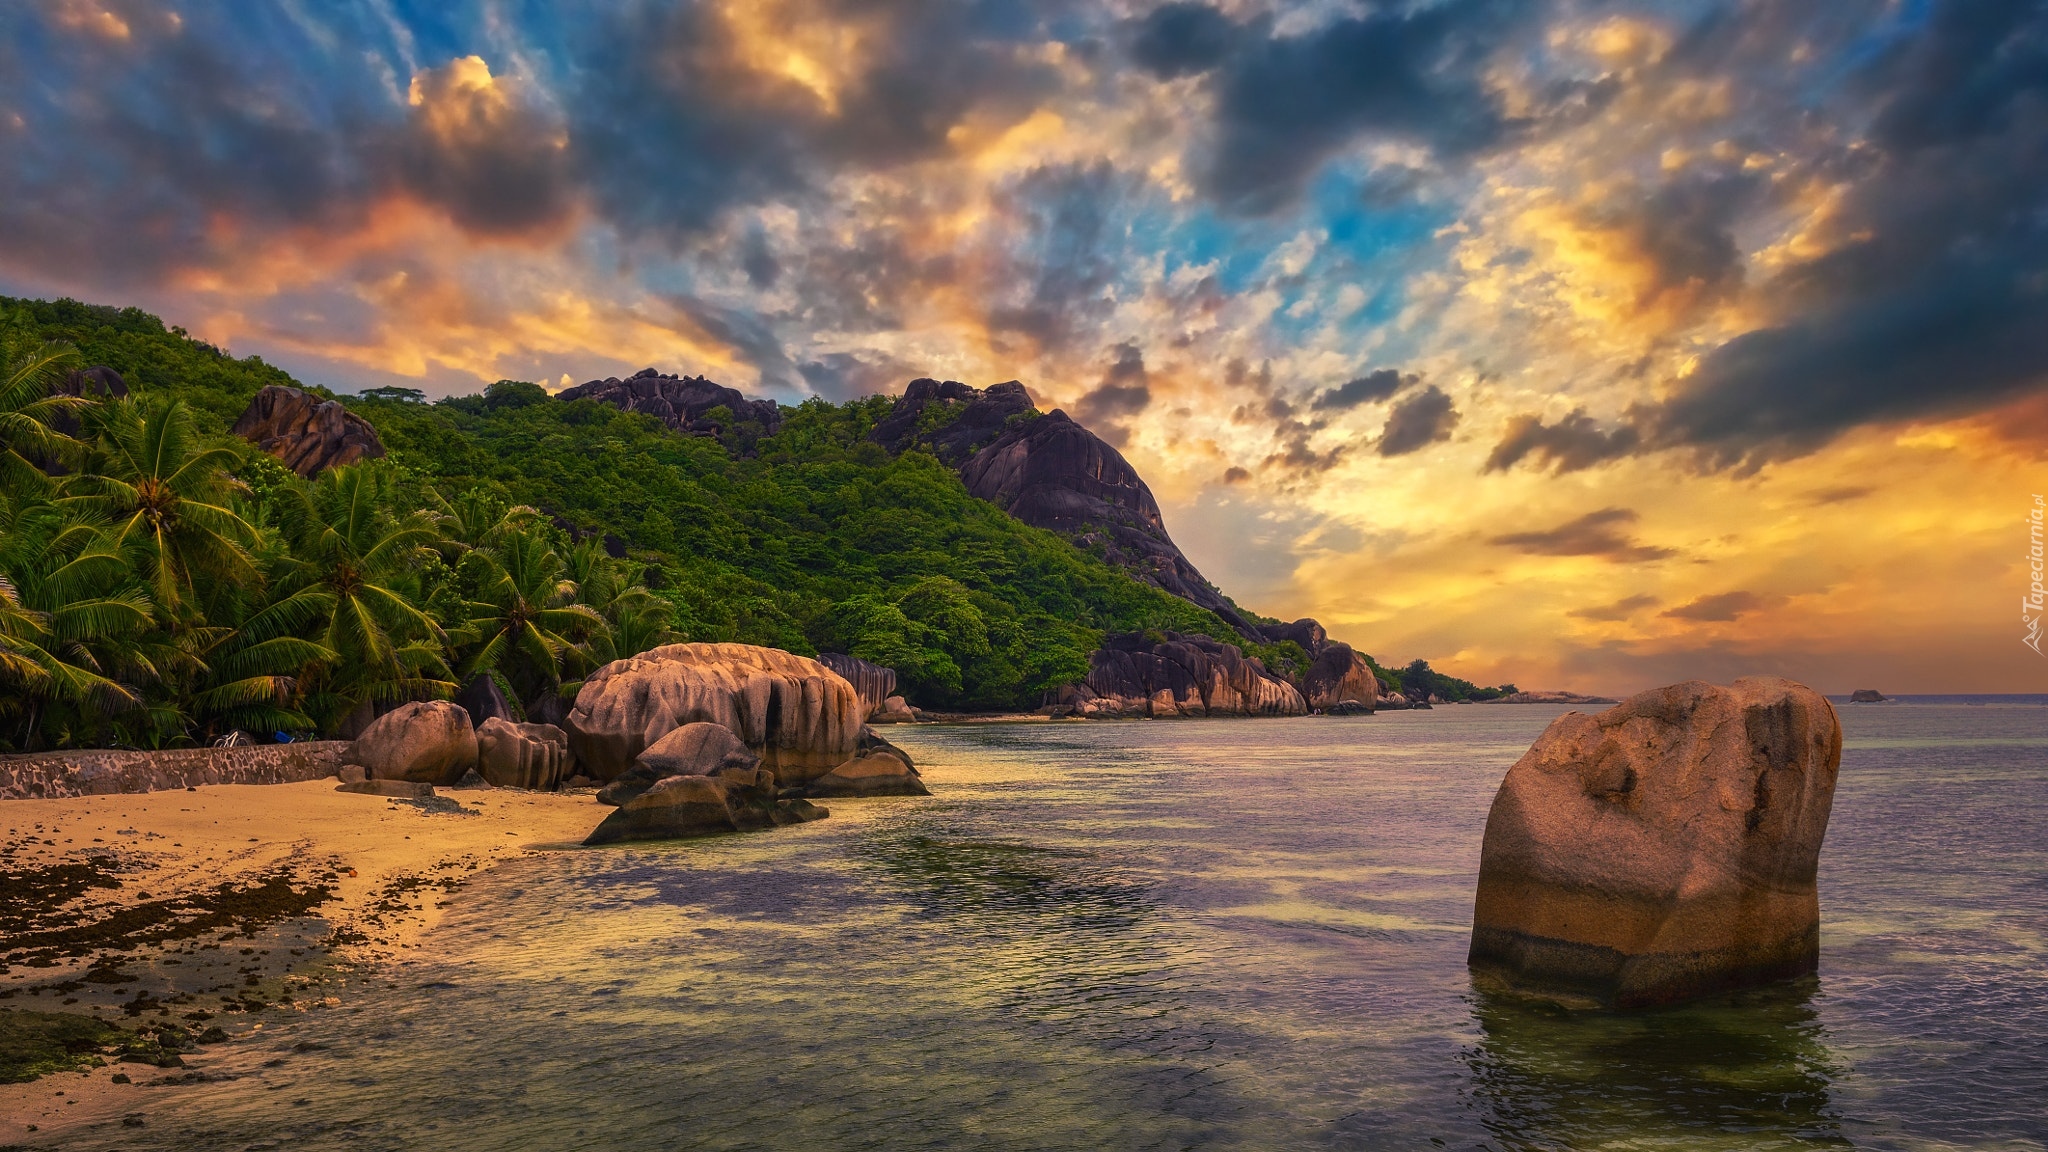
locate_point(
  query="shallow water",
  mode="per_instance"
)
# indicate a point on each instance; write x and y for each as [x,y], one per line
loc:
[1195,934]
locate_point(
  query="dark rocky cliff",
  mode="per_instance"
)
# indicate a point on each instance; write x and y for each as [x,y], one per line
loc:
[307,433]
[681,402]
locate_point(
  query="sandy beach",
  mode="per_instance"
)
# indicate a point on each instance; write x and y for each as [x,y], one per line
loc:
[230,907]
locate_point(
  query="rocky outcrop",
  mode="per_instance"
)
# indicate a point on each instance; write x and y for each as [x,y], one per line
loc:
[1663,849]
[1338,676]
[685,806]
[876,774]
[683,403]
[427,741]
[307,433]
[98,382]
[1052,473]
[512,755]
[1867,696]
[951,419]
[698,749]
[800,717]
[483,699]
[894,710]
[1179,676]
[875,684]
[103,772]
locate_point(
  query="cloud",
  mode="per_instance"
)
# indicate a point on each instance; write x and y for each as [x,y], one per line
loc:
[1839,494]
[1236,475]
[483,149]
[1621,609]
[1720,607]
[1125,391]
[1418,421]
[842,376]
[1181,38]
[1594,534]
[1573,443]
[1284,104]
[1365,389]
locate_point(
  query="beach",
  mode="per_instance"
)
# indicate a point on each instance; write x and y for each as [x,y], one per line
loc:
[241,907]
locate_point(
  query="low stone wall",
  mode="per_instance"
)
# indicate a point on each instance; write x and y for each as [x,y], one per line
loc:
[101,772]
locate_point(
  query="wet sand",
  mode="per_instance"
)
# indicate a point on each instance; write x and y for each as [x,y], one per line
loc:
[231,907]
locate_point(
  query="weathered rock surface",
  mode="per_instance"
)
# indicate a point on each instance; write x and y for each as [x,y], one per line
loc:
[698,749]
[1338,676]
[875,774]
[681,402]
[483,699]
[966,420]
[676,807]
[1181,676]
[875,684]
[427,741]
[894,710]
[1663,849]
[800,717]
[103,772]
[1867,696]
[510,755]
[1054,474]
[306,432]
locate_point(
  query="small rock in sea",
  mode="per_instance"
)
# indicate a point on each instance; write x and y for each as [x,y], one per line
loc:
[1867,696]
[875,774]
[1664,849]
[676,807]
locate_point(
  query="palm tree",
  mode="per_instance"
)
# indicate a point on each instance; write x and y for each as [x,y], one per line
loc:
[354,571]
[73,625]
[635,619]
[475,519]
[167,494]
[523,611]
[28,407]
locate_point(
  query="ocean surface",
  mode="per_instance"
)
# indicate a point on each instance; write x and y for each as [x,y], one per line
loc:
[1187,934]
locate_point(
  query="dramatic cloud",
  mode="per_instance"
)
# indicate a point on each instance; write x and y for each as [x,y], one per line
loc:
[1720,607]
[1419,421]
[1364,389]
[1575,442]
[1123,393]
[1594,534]
[1621,609]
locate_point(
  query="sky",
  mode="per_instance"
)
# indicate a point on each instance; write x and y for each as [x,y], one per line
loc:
[1581,345]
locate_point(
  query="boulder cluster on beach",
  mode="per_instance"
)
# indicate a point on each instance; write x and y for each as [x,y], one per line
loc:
[685,739]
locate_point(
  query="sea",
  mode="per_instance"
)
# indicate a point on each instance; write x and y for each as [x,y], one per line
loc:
[1194,934]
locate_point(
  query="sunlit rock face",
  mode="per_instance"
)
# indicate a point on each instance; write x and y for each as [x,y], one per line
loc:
[873,682]
[514,755]
[799,716]
[307,433]
[684,403]
[427,742]
[1337,675]
[1179,676]
[1054,474]
[1663,849]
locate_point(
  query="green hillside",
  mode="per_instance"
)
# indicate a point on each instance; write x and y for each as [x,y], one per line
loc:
[811,539]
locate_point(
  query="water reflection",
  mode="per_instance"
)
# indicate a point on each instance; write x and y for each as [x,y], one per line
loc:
[1748,1070]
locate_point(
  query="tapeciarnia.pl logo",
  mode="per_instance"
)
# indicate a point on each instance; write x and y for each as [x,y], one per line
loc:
[2031,608]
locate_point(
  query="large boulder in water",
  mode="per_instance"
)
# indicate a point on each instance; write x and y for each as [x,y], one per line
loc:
[306,432]
[1663,849]
[428,741]
[511,755]
[676,807]
[800,717]
[875,683]
[698,749]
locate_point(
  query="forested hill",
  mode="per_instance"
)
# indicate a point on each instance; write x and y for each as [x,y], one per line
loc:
[808,538]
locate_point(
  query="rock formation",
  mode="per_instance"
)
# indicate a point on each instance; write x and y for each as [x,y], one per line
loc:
[1052,473]
[951,419]
[306,432]
[879,769]
[698,749]
[682,806]
[1663,849]
[800,717]
[1179,676]
[1338,676]
[1867,696]
[894,710]
[681,402]
[875,684]
[98,382]
[483,699]
[429,741]
[511,755]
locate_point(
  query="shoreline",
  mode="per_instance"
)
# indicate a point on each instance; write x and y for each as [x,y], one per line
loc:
[236,907]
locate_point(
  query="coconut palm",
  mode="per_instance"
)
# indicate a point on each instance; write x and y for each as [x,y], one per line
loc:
[635,619]
[74,640]
[355,569]
[29,405]
[522,611]
[168,496]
